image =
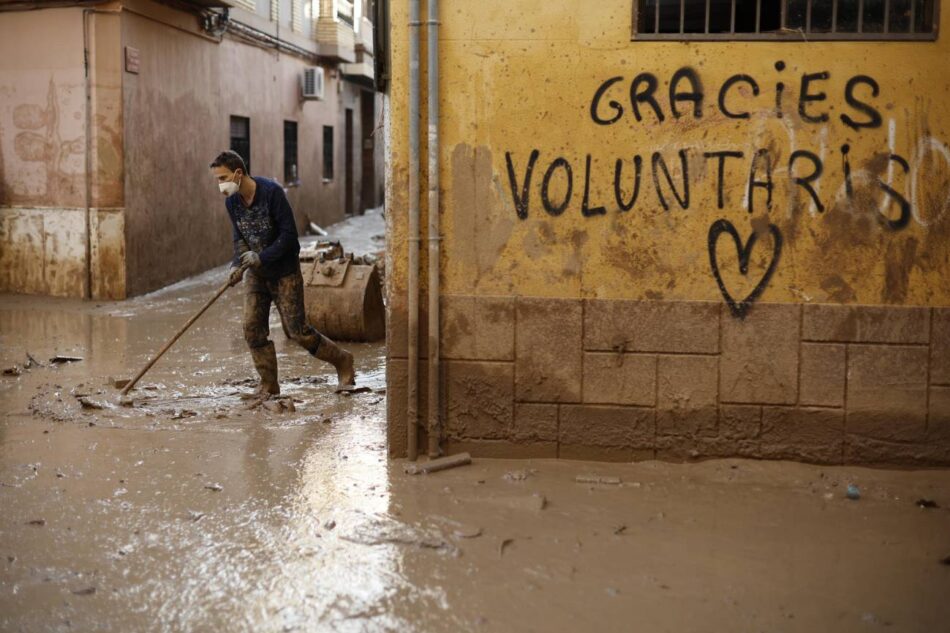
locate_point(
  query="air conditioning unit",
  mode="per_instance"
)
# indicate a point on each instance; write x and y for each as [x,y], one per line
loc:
[312,82]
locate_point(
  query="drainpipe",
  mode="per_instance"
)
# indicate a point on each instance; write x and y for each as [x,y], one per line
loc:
[434,428]
[412,417]
[87,46]
[87,62]
[88,42]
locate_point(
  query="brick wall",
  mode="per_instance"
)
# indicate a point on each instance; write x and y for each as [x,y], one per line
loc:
[628,380]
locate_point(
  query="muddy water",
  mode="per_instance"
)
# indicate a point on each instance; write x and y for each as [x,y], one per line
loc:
[189,512]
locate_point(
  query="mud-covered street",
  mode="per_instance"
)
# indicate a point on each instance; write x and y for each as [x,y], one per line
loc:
[710,233]
[189,512]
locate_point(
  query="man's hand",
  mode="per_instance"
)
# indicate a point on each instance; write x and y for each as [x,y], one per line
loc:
[234,276]
[250,259]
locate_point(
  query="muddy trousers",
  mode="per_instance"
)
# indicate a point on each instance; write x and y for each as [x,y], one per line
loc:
[287,294]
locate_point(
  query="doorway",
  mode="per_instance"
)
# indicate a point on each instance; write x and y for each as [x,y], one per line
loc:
[367,161]
[349,185]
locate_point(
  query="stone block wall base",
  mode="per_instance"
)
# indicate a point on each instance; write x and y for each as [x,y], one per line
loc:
[526,377]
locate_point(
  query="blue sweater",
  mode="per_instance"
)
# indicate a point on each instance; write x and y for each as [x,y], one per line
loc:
[267,227]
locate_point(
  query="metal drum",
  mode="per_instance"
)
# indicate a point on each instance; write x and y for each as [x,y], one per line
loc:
[343,299]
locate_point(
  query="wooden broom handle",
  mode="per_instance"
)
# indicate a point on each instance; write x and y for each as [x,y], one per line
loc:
[177,336]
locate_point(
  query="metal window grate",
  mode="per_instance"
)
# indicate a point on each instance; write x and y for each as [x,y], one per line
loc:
[800,20]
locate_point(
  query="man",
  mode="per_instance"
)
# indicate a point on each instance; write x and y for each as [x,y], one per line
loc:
[266,244]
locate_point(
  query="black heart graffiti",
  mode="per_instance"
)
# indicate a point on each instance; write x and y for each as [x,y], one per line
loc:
[741,308]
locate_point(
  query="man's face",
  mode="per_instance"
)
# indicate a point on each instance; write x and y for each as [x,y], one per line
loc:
[222,174]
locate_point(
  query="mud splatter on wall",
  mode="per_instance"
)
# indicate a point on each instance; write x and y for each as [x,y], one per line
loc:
[42,153]
[38,139]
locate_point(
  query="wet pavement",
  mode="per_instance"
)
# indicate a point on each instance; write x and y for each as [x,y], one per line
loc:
[190,512]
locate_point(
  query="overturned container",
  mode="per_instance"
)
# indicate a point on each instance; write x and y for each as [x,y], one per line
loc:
[343,296]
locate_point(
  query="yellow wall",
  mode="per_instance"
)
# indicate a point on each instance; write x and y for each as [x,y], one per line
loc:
[519,76]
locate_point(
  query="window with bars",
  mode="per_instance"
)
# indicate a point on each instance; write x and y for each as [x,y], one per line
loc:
[290,153]
[786,19]
[241,138]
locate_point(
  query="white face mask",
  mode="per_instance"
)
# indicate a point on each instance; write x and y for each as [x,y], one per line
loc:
[230,187]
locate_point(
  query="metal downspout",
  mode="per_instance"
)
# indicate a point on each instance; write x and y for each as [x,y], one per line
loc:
[412,415]
[432,89]
[87,61]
